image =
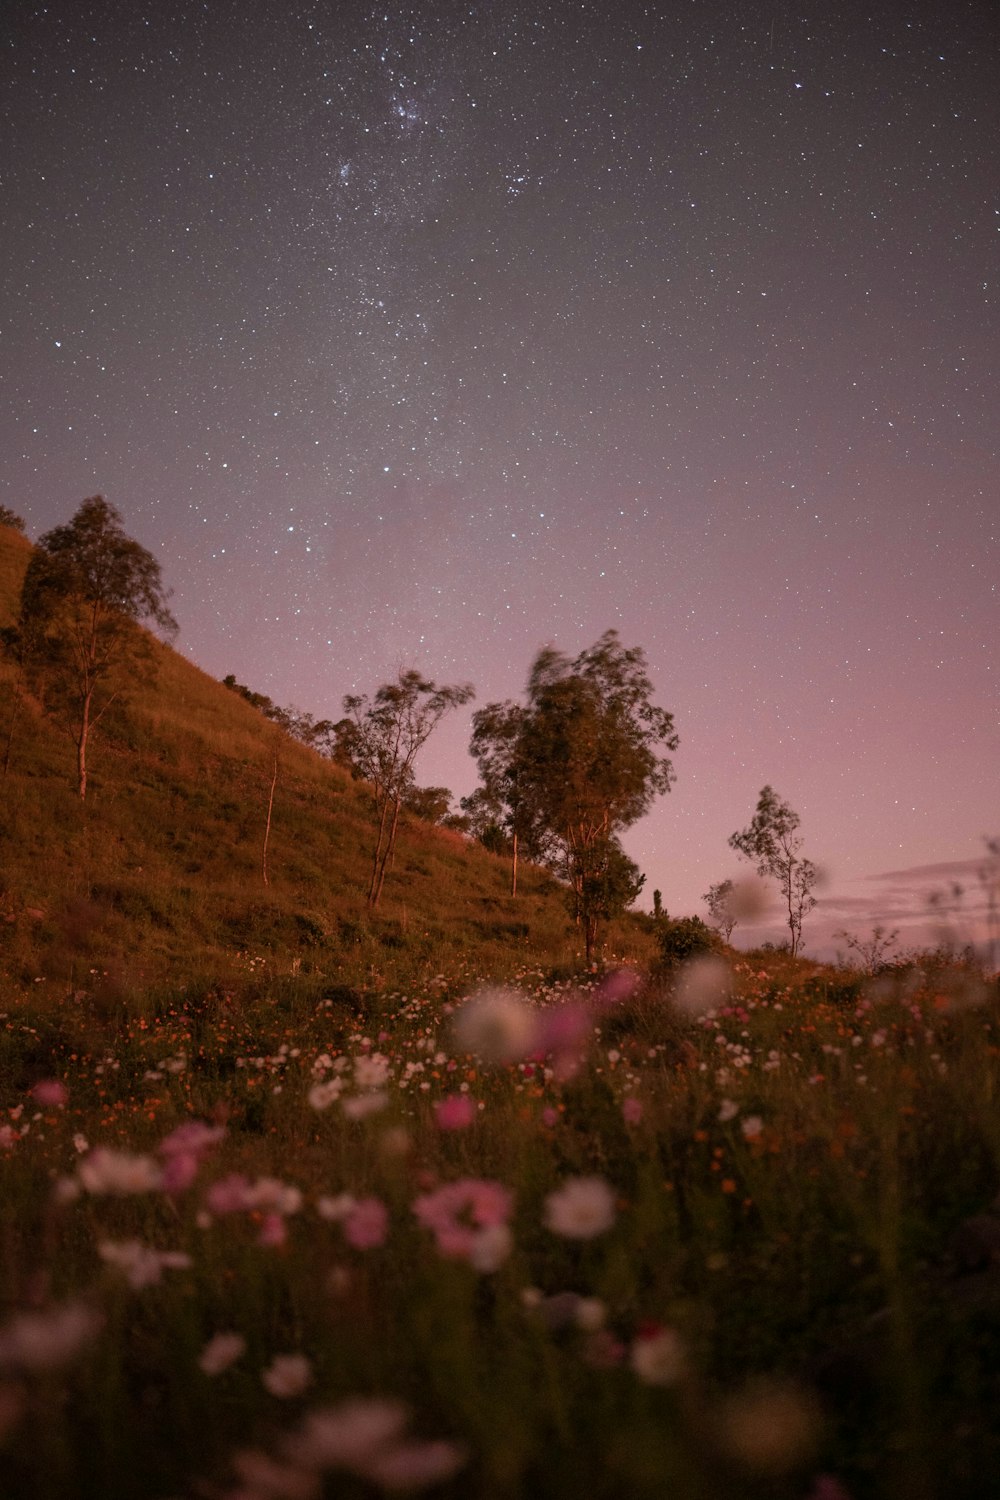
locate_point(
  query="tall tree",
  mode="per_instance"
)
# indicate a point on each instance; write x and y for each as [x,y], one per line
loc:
[380,738]
[772,843]
[719,900]
[88,589]
[585,754]
[507,785]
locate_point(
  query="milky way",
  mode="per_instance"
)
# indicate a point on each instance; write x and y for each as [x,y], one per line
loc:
[427,334]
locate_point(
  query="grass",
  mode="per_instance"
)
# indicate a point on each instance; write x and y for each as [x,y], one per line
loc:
[156,880]
[802,1195]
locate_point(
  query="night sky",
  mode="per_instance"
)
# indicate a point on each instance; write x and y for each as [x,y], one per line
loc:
[427,334]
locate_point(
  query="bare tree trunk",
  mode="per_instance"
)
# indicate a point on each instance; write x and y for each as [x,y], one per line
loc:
[267,825]
[373,884]
[389,849]
[513,865]
[589,936]
[15,710]
[81,747]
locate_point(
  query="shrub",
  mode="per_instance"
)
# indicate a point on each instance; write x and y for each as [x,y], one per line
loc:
[682,938]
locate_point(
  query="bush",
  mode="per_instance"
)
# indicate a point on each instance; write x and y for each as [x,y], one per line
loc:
[682,938]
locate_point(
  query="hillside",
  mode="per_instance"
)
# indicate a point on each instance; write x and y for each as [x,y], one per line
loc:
[155,882]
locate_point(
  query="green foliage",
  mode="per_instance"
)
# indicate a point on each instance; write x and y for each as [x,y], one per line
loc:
[581,760]
[681,938]
[611,883]
[10,518]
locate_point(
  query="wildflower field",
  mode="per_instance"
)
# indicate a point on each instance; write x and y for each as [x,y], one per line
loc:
[729,1234]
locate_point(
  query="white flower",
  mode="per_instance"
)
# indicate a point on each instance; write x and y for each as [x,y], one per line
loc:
[360,1106]
[322,1095]
[728,1110]
[119,1173]
[490,1248]
[371,1072]
[287,1375]
[271,1195]
[498,1025]
[752,1127]
[582,1208]
[336,1209]
[658,1358]
[220,1352]
[139,1264]
[347,1436]
[702,985]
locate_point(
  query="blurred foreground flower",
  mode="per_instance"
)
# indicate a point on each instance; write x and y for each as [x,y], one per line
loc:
[220,1352]
[37,1341]
[140,1264]
[703,984]
[50,1093]
[119,1173]
[497,1025]
[657,1356]
[466,1218]
[456,1112]
[366,1224]
[581,1209]
[287,1376]
[367,1438]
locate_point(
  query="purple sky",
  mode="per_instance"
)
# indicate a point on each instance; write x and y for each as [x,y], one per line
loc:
[427,334]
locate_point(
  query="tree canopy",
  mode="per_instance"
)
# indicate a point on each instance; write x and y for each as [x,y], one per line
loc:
[88,589]
[581,761]
[379,739]
[772,843]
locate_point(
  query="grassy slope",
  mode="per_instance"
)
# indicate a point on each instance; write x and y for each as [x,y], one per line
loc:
[156,881]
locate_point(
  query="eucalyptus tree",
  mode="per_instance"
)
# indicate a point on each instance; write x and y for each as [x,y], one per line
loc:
[579,762]
[379,738]
[88,590]
[773,844]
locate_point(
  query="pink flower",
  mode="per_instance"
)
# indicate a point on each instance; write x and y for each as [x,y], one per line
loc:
[367,1224]
[459,1212]
[631,1110]
[229,1195]
[50,1093]
[180,1171]
[582,1208]
[193,1138]
[455,1113]
[415,1465]
[550,1116]
[619,985]
[220,1352]
[564,1028]
[287,1376]
[272,1231]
